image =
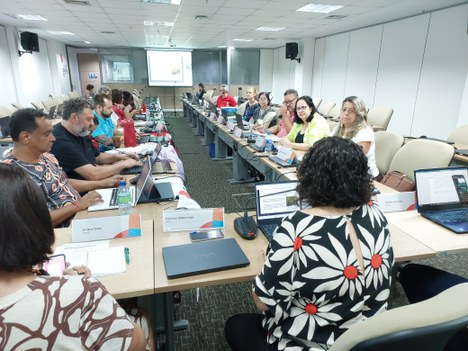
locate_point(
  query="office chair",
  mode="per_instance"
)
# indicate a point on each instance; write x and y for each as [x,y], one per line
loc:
[379,117]
[386,146]
[335,113]
[17,105]
[317,101]
[38,105]
[459,135]
[420,154]
[423,326]
[4,111]
[49,103]
[241,108]
[325,108]
[208,95]
[74,95]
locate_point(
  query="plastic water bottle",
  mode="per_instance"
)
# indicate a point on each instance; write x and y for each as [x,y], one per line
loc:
[268,143]
[124,199]
[251,126]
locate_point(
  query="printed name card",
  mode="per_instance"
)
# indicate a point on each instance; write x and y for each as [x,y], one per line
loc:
[286,154]
[106,228]
[193,219]
[394,202]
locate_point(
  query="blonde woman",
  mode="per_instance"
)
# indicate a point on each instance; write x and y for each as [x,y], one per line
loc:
[353,125]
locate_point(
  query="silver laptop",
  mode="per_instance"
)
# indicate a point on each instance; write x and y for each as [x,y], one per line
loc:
[442,196]
[274,202]
[109,195]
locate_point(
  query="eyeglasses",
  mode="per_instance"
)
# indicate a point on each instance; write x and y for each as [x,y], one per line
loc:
[301,108]
[349,110]
[286,102]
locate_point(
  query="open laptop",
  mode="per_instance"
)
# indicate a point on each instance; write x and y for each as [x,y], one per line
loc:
[442,196]
[240,122]
[189,96]
[274,202]
[203,257]
[52,112]
[5,126]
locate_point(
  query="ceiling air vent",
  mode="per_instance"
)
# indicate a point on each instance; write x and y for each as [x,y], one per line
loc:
[77,2]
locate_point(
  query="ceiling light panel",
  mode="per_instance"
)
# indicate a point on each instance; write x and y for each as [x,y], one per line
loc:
[270,29]
[319,8]
[27,17]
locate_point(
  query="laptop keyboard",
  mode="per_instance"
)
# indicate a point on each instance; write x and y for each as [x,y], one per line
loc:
[450,216]
[113,200]
[132,170]
[268,230]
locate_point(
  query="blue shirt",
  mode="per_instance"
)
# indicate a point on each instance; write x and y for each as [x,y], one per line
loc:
[105,127]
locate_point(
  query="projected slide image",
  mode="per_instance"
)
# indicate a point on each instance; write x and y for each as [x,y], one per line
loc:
[169,68]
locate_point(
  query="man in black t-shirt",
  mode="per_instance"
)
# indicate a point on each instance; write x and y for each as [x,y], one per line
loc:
[73,148]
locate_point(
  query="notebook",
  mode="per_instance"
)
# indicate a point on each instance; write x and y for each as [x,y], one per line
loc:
[274,202]
[203,257]
[442,196]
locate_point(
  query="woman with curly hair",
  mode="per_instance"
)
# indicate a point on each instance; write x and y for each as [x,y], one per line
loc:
[328,266]
[353,125]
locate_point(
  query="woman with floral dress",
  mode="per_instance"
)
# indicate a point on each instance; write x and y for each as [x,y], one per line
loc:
[328,266]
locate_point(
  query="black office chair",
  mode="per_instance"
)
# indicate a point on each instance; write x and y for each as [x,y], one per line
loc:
[423,326]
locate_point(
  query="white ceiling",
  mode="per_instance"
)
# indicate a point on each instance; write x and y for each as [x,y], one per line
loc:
[226,20]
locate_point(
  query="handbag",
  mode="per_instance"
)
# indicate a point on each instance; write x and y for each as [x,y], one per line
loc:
[398,181]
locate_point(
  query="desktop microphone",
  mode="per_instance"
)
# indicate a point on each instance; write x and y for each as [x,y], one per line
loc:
[246,226]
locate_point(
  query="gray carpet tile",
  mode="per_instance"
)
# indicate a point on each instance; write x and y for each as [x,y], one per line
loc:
[207,183]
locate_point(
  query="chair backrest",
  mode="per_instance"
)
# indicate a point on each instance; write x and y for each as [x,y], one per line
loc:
[378,117]
[17,105]
[386,146]
[241,108]
[214,99]
[419,154]
[325,108]
[335,113]
[4,111]
[207,96]
[459,135]
[427,325]
[74,94]
[317,101]
[49,103]
[38,105]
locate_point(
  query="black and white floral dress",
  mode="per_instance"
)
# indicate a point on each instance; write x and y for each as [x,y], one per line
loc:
[312,281]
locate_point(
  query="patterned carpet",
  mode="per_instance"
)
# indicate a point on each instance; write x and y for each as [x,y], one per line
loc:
[207,184]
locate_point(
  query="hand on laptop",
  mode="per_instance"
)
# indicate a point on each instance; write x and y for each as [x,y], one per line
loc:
[111,182]
[130,162]
[91,198]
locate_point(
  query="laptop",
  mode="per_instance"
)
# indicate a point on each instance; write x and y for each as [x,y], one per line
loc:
[52,112]
[5,126]
[189,96]
[203,257]
[442,196]
[240,122]
[274,202]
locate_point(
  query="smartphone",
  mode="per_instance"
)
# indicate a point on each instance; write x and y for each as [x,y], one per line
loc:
[206,235]
[55,265]
[461,186]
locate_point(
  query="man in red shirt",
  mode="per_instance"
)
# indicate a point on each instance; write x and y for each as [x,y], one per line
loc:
[224,99]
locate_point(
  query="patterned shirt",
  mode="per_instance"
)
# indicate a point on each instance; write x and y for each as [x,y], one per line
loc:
[312,281]
[69,313]
[50,177]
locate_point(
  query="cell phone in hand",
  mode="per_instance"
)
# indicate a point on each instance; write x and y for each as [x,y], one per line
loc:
[55,265]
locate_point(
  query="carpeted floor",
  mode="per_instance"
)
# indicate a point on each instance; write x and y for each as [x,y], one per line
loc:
[207,184]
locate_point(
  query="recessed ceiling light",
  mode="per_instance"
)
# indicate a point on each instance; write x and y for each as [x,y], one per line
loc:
[58,32]
[167,2]
[164,23]
[243,40]
[150,36]
[270,29]
[27,17]
[319,8]
[222,46]
[86,42]
[148,23]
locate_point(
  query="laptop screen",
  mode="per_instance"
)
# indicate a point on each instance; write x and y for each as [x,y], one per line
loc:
[146,171]
[276,200]
[441,187]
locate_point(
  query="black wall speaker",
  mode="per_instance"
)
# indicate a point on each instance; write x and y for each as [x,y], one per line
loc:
[30,41]
[291,50]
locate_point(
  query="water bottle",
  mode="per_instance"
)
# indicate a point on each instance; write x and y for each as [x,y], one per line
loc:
[268,143]
[124,199]
[251,126]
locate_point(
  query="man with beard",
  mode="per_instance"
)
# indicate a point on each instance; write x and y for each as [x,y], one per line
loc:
[73,148]
[105,129]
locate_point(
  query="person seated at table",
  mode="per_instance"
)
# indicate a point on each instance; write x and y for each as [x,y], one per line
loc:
[125,119]
[128,102]
[89,93]
[32,136]
[287,114]
[353,125]
[308,126]
[201,91]
[104,132]
[421,282]
[224,99]
[104,89]
[43,312]
[73,148]
[251,105]
[265,115]
[328,266]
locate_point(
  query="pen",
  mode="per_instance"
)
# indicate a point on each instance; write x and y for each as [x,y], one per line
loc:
[127,255]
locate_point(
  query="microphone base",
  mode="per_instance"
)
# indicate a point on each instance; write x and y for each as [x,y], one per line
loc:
[246,227]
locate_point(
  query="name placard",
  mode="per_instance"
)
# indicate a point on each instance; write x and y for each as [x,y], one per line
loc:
[103,228]
[193,219]
[238,132]
[394,202]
